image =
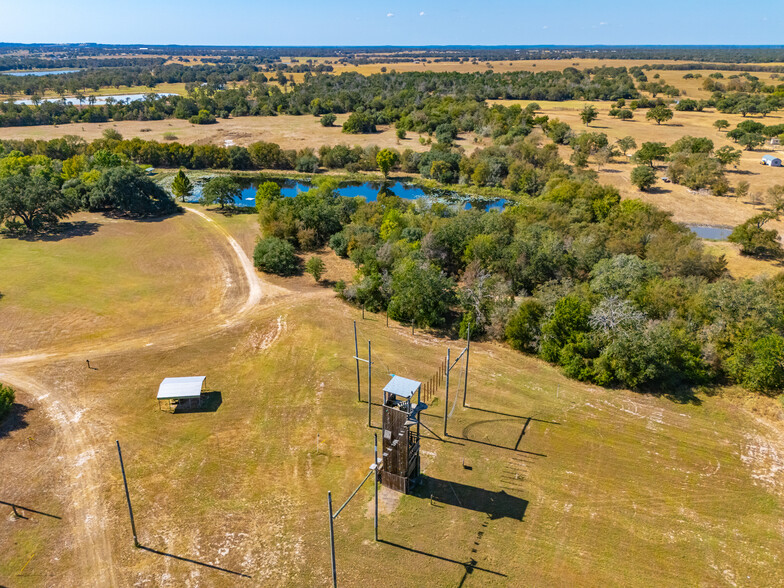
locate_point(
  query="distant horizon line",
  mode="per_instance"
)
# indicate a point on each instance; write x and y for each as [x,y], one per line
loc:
[142,46]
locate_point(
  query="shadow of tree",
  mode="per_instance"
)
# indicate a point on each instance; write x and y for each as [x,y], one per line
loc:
[61,231]
[15,420]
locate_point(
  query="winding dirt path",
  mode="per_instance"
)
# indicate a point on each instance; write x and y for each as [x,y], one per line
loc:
[92,547]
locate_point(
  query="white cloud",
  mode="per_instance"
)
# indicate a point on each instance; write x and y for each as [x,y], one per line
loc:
[390,14]
[546,27]
[602,24]
[422,13]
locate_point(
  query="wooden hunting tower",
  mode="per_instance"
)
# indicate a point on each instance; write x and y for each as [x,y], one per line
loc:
[400,437]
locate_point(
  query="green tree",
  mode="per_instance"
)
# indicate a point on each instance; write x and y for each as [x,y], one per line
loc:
[315,267]
[386,160]
[400,133]
[182,187]
[446,133]
[751,140]
[651,152]
[267,193]
[7,398]
[420,294]
[728,156]
[721,124]
[524,327]
[754,239]
[588,114]
[759,366]
[659,113]
[626,144]
[275,256]
[34,200]
[220,190]
[643,177]
[328,120]
[128,191]
[559,132]
[625,114]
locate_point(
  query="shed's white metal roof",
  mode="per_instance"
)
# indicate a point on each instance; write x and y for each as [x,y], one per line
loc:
[181,387]
[403,387]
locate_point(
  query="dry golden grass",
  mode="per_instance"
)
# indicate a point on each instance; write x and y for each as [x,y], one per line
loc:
[560,474]
[290,132]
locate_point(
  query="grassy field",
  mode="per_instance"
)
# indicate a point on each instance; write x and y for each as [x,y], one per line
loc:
[544,481]
[290,132]
[174,88]
[686,207]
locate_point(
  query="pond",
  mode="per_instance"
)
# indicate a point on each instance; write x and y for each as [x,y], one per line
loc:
[48,72]
[98,99]
[711,232]
[368,190]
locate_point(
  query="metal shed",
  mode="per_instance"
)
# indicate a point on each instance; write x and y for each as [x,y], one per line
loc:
[185,392]
[770,160]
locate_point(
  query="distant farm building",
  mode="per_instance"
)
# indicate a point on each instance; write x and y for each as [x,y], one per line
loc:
[770,160]
[174,393]
[775,141]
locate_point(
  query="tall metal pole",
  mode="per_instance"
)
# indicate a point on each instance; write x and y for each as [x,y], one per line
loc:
[370,387]
[356,356]
[446,399]
[332,540]
[375,486]
[468,352]
[127,497]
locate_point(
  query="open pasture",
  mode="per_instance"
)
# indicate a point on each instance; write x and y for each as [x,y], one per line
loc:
[542,481]
[290,132]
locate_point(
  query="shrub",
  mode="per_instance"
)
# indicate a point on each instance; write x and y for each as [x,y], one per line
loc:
[275,256]
[328,120]
[315,267]
[524,327]
[7,397]
[643,177]
[203,118]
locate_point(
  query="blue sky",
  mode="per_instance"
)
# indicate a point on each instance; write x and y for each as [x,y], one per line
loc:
[391,22]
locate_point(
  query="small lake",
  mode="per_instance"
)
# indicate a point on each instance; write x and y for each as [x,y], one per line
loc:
[710,232]
[99,100]
[48,72]
[368,190]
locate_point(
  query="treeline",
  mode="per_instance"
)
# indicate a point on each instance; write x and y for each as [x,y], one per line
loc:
[613,292]
[688,53]
[384,97]
[146,74]
[36,191]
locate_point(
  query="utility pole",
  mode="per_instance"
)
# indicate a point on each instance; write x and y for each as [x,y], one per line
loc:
[446,396]
[468,352]
[356,356]
[370,387]
[332,540]
[127,497]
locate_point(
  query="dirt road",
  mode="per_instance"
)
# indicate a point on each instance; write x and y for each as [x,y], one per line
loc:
[83,466]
